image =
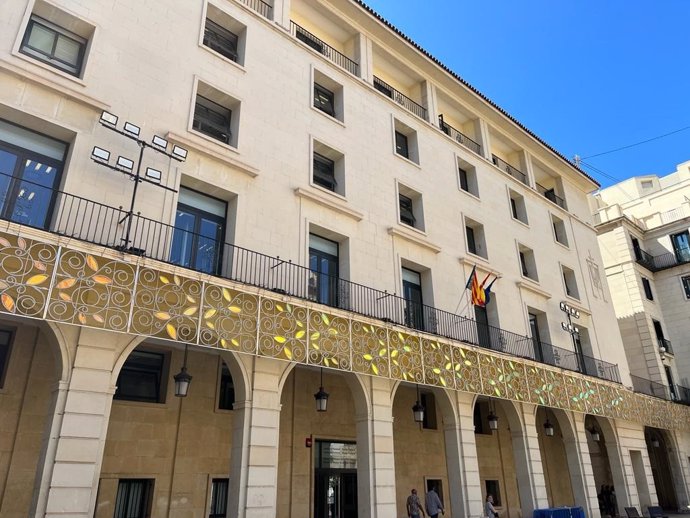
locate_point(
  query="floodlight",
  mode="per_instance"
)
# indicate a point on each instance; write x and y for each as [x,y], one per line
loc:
[564,306]
[132,129]
[159,143]
[153,175]
[108,118]
[577,314]
[564,326]
[179,152]
[100,154]
[125,163]
[576,330]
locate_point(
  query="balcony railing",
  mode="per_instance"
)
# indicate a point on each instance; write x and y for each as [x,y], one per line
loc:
[511,170]
[551,195]
[666,344]
[324,48]
[458,136]
[261,7]
[400,98]
[675,393]
[655,263]
[100,224]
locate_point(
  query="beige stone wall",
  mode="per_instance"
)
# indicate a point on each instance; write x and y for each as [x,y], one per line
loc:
[26,401]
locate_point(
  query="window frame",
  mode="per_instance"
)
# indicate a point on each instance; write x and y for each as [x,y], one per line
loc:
[323,172]
[647,288]
[218,31]
[146,502]
[214,495]
[320,90]
[464,180]
[64,66]
[217,127]
[333,297]
[161,374]
[405,211]
[471,240]
[398,146]
[685,284]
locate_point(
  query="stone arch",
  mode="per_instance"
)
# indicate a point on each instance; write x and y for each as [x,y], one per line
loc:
[666,468]
[63,353]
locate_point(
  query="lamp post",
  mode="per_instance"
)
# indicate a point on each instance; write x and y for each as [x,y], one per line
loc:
[574,331]
[125,166]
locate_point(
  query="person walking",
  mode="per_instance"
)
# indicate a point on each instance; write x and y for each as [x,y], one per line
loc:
[489,509]
[433,503]
[414,506]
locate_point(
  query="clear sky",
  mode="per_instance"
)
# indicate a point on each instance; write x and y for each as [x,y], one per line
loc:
[587,76]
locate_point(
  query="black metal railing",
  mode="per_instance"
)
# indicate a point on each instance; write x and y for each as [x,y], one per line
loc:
[400,98]
[675,393]
[324,48]
[459,136]
[655,263]
[261,7]
[666,345]
[511,170]
[682,395]
[100,224]
[550,194]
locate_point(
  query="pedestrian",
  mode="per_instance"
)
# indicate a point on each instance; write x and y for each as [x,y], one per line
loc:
[414,506]
[433,503]
[489,509]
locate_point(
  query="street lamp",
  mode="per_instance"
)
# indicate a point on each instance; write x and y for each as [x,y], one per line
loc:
[595,434]
[418,409]
[492,418]
[182,378]
[125,166]
[321,397]
[548,428]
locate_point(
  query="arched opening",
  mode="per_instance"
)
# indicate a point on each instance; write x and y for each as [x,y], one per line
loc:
[658,448]
[164,452]
[609,478]
[554,457]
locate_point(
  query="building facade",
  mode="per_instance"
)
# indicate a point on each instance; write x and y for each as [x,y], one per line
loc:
[285,201]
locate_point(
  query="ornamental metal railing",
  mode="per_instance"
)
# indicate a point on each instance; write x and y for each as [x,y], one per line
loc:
[655,263]
[673,392]
[80,218]
[551,195]
[324,48]
[510,169]
[459,136]
[261,7]
[400,98]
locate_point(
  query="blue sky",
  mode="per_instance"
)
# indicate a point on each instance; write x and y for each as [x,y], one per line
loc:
[587,76]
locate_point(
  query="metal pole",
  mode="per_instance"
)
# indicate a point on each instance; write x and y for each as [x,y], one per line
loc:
[130,215]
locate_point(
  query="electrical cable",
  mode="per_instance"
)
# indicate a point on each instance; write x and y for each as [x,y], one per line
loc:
[638,143]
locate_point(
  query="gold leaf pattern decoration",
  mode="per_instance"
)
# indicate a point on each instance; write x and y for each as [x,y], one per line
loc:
[558,393]
[515,379]
[279,327]
[466,369]
[492,376]
[576,393]
[438,364]
[164,308]
[539,386]
[406,356]
[93,292]
[329,340]
[229,319]
[369,349]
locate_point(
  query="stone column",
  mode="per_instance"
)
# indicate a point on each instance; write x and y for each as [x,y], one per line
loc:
[281,13]
[580,465]
[528,464]
[364,56]
[526,165]
[481,130]
[430,102]
[81,432]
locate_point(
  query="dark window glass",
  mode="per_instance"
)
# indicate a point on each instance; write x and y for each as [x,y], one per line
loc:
[493,489]
[414,304]
[226,392]
[523,265]
[133,498]
[647,289]
[324,100]
[401,145]
[686,286]
[568,290]
[406,212]
[429,404]
[437,484]
[471,243]
[324,172]
[483,329]
[212,119]
[220,39]
[140,378]
[219,498]
[513,208]
[636,248]
[464,185]
[5,344]
[54,45]
[323,266]
[681,246]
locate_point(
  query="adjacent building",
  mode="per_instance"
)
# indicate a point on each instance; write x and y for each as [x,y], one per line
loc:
[235,238]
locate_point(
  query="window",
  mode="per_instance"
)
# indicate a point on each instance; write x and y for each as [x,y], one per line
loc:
[198,238]
[54,45]
[405,141]
[134,497]
[414,304]
[681,246]
[437,484]
[219,498]
[226,389]
[559,232]
[324,172]
[323,270]
[637,249]
[685,281]
[429,403]
[406,212]
[570,282]
[411,210]
[471,243]
[212,119]
[5,343]
[647,289]
[518,210]
[467,177]
[221,40]
[30,171]
[493,489]
[528,266]
[401,145]
[474,234]
[324,99]
[141,378]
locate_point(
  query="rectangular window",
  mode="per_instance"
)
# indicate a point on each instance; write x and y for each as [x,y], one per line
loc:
[219,498]
[523,264]
[54,45]
[212,119]
[221,40]
[134,498]
[414,304]
[406,212]
[429,403]
[401,145]
[5,344]
[570,282]
[559,231]
[324,172]
[647,289]
[198,238]
[464,183]
[141,377]
[681,246]
[686,286]
[323,270]
[437,485]
[471,242]
[493,489]
[226,389]
[324,99]
[518,208]
[513,208]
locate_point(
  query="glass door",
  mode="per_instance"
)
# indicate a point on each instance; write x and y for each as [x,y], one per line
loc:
[412,293]
[483,329]
[323,266]
[536,339]
[335,480]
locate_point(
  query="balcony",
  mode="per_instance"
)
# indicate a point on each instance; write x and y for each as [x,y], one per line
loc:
[320,46]
[458,136]
[550,194]
[261,7]
[675,393]
[665,345]
[655,263]
[507,168]
[103,225]
[400,98]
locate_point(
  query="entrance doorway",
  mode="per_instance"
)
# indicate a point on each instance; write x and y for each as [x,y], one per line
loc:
[335,480]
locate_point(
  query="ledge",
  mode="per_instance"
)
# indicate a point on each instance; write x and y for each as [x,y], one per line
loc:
[206,149]
[70,93]
[481,266]
[413,238]
[534,288]
[325,201]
